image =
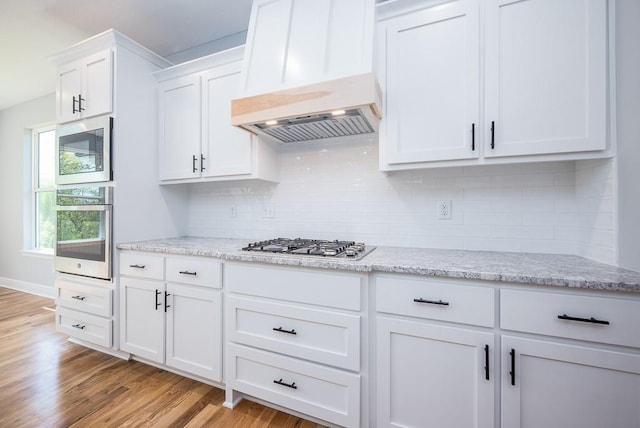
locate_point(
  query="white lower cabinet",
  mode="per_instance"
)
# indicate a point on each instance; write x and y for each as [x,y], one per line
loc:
[179,325]
[430,374]
[84,309]
[566,371]
[294,340]
[558,385]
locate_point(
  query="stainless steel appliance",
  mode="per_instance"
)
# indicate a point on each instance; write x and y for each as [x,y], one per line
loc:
[83,233]
[312,247]
[84,151]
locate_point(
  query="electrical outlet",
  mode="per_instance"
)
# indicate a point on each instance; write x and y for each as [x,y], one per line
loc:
[267,211]
[444,210]
[234,211]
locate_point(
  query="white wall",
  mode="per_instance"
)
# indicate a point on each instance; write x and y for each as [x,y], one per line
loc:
[628,111]
[16,269]
[334,190]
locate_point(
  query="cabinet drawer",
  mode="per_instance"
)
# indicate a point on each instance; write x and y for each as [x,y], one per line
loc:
[142,265]
[321,392]
[322,336]
[84,326]
[431,299]
[202,271]
[85,298]
[323,288]
[538,312]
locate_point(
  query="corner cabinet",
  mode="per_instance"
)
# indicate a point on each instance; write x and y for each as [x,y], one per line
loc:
[545,80]
[196,139]
[171,312]
[430,373]
[84,87]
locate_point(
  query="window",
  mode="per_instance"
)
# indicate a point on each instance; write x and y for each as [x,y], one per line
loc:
[43,195]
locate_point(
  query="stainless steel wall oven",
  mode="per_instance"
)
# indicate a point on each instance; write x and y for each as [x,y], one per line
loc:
[84,231]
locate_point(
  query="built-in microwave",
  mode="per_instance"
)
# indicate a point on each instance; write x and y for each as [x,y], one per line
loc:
[83,231]
[83,151]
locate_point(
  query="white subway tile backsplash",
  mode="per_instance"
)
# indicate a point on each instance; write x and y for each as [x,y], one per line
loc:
[334,190]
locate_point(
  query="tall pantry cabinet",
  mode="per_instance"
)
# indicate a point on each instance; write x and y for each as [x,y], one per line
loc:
[110,74]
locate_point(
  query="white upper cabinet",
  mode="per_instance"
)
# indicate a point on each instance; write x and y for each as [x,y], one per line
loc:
[297,42]
[546,76]
[84,87]
[196,139]
[493,81]
[431,84]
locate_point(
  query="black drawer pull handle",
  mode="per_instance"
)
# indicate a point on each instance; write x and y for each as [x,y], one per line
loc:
[137,266]
[591,320]
[78,326]
[513,366]
[186,272]
[486,362]
[432,302]
[280,382]
[281,330]
[78,297]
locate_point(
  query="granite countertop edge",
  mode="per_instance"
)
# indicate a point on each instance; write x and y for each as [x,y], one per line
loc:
[524,268]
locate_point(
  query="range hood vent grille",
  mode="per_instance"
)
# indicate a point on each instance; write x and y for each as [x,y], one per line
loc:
[314,127]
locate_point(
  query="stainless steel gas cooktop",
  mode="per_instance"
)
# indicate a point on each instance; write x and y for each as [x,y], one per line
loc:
[312,247]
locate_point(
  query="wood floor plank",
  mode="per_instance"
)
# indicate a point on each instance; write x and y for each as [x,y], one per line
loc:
[47,381]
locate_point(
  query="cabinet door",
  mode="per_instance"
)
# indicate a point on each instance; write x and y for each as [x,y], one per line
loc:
[97,83]
[194,331]
[69,87]
[430,375]
[431,75]
[226,148]
[558,385]
[546,69]
[142,318]
[179,134]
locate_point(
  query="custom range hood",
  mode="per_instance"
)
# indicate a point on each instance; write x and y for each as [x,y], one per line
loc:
[307,71]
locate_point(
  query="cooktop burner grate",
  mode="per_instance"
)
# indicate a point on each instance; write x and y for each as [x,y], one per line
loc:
[312,247]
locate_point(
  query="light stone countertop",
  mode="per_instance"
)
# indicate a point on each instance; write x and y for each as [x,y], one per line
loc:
[526,268]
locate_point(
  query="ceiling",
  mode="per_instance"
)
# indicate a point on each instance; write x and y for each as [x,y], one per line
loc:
[32,30]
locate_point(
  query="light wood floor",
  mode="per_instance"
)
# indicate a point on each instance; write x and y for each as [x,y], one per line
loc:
[46,381]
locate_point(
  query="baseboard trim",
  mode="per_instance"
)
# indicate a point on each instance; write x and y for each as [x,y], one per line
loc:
[28,287]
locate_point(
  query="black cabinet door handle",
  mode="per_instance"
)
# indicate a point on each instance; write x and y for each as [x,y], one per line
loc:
[186,272]
[202,159]
[486,362]
[80,100]
[281,330]
[165,301]
[158,292]
[288,385]
[193,163]
[473,137]
[591,320]
[73,105]
[513,366]
[493,135]
[431,302]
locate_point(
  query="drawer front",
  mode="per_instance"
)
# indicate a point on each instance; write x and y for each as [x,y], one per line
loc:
[85,298]
[323,288]
[570,316]
[433,299]
[84,326]
[321,392]
[321,336]
[142,265]
[202,271]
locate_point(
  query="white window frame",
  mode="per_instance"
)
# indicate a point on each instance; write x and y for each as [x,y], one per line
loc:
[32,234]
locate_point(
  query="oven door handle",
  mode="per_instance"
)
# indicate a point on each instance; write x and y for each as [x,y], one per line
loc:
[83,207]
